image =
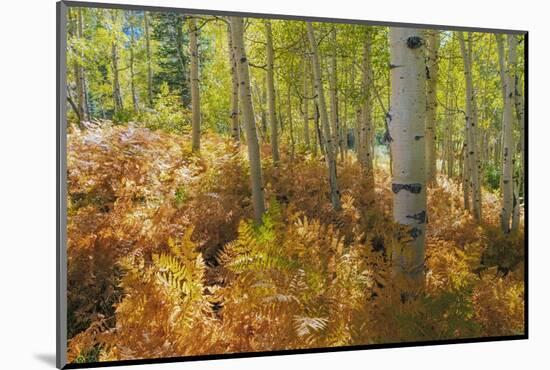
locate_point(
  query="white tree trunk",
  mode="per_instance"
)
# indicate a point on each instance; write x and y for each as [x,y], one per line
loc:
[366,134]
[471,127]
[507,184]
[271,92]
[432,74]
[149,67]
[81,78]
[307,140]
[195,94]
[333,85]
[248,118]
[466,172]
[135,101]
[235,134]
[519,107]
[329,147]
[407,130]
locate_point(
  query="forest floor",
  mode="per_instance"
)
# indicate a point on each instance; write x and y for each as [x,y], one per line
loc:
[162,260]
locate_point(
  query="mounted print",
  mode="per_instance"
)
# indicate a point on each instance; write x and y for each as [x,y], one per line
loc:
[234,185]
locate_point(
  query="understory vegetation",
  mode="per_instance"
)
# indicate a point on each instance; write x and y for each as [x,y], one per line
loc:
[164,259]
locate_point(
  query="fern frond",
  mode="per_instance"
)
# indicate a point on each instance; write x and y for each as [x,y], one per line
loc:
[308,325]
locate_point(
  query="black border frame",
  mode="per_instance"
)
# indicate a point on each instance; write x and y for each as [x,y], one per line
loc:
[61,188]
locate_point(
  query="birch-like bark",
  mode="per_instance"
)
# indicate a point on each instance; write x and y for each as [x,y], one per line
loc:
[432,74]
[448,132]
[261,95]
[466,173]
[80,77]
[248,118]
[235,134]
[344,124]
[116,83]
[407,130]
[290,122]
[195,93]
[317,138]
[328,145]
[507,184]
[149,61]
[471,127]
[519,108]
[135,102]
[333,85]
[271,92]
[117,97]
[305,112]
[366,134]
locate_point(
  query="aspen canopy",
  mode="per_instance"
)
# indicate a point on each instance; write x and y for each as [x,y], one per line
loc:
[247,184]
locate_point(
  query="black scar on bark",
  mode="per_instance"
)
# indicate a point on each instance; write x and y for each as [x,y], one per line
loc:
[427,73]
[414,188]
[418,137]
[243,60]
[414,42]
[420,217]
[387,137]
[415,232]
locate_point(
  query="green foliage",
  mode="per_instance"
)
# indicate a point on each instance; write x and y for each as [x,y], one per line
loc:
[172,54]
[491,174]
[181,195]
[168,113]
[123,116]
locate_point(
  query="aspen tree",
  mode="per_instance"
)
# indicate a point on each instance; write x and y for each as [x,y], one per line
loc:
[466,172]
[77,106]
[507,143]
[357,134]
[248,118]
[117,97]
[148,55]
[432,74]
[407,131]
[290,122]
[81,79]
[328,145]
[470,146]
[195,93]
[519,109]
[135,102]
[344,124]
[306,105]
[265,110]
[271,92]
[235,134]
[318,137]
[333,87]
[448,150]
[365,128]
